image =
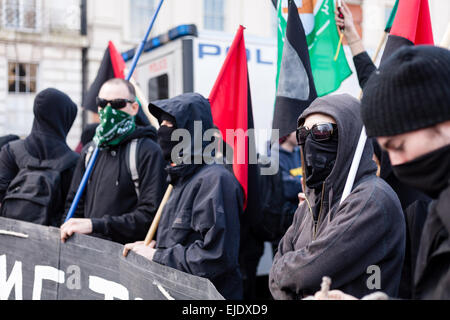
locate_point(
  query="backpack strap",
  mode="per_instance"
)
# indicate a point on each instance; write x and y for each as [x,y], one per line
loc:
[23,158]
[132,149]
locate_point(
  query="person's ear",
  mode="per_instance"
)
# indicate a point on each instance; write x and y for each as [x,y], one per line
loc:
[134,108]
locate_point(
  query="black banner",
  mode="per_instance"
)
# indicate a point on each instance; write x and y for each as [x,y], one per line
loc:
[35,265]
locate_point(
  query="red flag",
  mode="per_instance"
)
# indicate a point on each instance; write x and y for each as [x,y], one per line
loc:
[413,22]
[117,61]
[412,26]
[229,101]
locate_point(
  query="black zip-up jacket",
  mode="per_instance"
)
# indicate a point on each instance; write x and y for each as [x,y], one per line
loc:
[110,199]
[367,229]
[199,230]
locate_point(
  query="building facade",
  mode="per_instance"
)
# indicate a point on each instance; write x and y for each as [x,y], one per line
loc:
[44,43]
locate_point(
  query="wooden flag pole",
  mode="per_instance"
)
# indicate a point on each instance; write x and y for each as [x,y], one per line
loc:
[339,46]
[141,97]
[377,52]
[155,223]
[380,45]
[445,43]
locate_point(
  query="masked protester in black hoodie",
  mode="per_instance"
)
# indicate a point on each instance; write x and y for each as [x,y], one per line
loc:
[111,207]
[340,241]
[199,229]
[45,147]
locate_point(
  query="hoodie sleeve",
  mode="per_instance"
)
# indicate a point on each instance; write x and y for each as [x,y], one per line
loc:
[215,216]
[130,226]
[8,170]
[364,67]
[361,234]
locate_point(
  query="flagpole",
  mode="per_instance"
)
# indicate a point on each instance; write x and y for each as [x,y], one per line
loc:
[90,166]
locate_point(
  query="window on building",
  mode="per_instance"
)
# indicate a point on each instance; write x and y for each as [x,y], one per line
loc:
[21,14]
[158,88]
[141,12]
[214,17]
[22,77]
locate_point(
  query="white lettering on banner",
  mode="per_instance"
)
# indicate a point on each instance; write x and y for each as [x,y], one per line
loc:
[42,273]
[14,280]
[110,289]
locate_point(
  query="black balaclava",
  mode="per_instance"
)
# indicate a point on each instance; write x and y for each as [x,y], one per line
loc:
[429,173]
[320,158]
[165,136]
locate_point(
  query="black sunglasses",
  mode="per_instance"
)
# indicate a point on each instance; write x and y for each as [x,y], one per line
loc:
[319,132]
[115,104]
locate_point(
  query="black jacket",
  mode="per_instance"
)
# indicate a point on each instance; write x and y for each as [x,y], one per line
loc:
[110,199]
[199,230]
[366,229]
[432,274]
[54,114]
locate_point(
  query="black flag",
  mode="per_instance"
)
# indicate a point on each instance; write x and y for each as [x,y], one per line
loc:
[296,89]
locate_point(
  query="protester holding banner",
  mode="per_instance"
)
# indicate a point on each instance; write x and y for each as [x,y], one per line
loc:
[343,241]
[116,206]
[35,173]
[199,230]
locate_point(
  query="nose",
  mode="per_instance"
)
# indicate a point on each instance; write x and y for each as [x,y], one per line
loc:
[397,158]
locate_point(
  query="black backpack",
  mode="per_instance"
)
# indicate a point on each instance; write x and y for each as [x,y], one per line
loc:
[35,193]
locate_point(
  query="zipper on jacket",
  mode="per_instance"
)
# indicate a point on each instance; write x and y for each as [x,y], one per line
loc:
[316,222]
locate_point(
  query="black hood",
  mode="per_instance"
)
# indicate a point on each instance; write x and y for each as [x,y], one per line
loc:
[54,114]
[186,109]
[346,111]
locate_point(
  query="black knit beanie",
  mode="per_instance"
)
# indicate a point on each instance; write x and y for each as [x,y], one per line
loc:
[410,91]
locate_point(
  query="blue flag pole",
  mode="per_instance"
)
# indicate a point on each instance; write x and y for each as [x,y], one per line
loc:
[90,166]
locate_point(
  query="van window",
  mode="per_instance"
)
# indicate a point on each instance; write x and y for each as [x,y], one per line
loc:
[158,87]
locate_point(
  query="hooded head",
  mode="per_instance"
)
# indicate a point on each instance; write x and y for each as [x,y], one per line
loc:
[345,111]
[189,111]
[54,114]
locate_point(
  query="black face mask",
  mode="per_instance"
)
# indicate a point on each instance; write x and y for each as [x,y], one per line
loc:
[320,158]
[164,140]
[429,173]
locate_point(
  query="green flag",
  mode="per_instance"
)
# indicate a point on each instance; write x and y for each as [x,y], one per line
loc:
[322,37]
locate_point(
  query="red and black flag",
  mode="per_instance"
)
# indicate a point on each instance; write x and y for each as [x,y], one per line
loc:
[296,89]
[411,26]
[231,109]
[112,66]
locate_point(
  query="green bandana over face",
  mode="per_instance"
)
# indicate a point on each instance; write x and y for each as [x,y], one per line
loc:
[114,127]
